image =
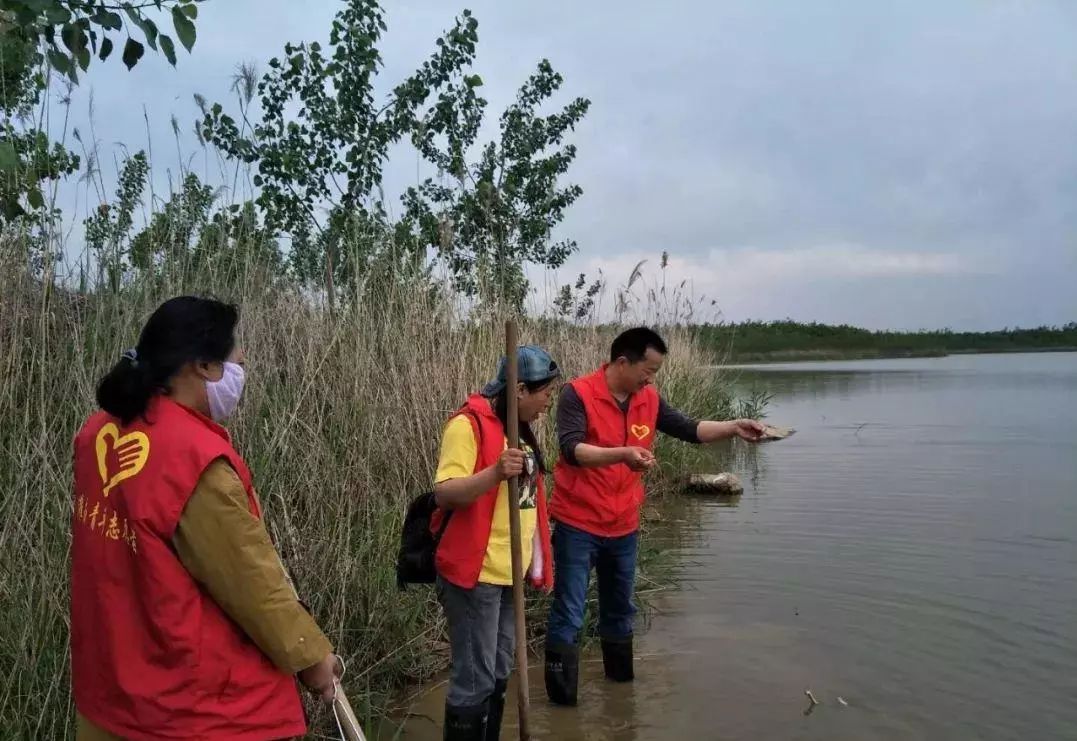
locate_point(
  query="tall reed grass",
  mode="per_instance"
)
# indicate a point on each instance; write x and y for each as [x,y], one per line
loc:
[340,424]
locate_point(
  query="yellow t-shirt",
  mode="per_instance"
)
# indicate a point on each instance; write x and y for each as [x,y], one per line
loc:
[459,451]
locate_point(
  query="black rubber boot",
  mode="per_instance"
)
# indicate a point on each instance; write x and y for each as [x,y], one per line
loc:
[617,659]
[466,723]
[562,673]
[497,710]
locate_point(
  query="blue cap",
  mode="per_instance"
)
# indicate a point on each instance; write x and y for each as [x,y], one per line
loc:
[534,364]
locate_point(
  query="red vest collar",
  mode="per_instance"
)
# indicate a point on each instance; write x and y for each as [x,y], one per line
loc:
[481,407]
[162,405]
[601,389]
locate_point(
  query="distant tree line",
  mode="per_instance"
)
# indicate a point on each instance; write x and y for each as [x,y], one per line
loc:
[757,340]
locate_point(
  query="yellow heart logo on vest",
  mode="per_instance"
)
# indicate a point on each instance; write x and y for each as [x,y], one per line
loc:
[132,451]
[640,431]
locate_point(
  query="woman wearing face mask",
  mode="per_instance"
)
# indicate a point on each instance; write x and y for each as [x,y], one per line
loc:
[183,622]
[474,583]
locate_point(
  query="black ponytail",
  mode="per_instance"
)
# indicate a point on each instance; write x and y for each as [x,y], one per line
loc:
[501,409]
[182,330]
[126,390]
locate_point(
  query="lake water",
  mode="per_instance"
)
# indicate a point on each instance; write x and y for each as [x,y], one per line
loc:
[912,549]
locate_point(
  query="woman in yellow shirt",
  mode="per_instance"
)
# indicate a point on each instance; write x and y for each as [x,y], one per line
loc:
[474,582]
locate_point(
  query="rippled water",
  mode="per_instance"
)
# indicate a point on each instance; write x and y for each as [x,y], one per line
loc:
[912,549]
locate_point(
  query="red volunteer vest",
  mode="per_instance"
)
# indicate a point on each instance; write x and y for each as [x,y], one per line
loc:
[462,549]
[152,655]
[605,501]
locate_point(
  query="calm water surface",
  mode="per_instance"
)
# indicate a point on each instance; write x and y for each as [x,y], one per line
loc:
[912,550]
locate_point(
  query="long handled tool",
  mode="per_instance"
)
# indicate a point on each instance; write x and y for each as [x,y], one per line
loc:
[347,721]
[512,375]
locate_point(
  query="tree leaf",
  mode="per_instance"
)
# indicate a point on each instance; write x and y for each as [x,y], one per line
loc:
[59,61]
[25,17]
[108,19]
[70,34]
[184,28]
[11,207]
[34,197]
[106,48]
[149,28]
[132,52]
[56,14]
[191,11]
[9,158]
[168,48]
[83,57]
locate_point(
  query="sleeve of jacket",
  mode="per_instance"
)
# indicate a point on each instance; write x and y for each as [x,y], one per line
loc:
[571,423]
[675,423]
[228,551]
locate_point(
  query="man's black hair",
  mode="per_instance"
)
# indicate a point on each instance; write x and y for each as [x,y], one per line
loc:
[632,344]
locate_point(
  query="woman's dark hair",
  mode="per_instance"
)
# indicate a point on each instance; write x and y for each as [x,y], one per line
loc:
[182,330]
[501,409]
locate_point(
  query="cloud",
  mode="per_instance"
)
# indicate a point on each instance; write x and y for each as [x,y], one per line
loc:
[742,283]
[895,164]
[828,263]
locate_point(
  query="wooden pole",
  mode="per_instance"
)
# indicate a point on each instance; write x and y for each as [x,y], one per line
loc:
[512,376]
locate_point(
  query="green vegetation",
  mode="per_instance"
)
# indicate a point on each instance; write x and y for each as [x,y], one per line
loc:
[41,37]
[319,168]
[789,340]
[340,424]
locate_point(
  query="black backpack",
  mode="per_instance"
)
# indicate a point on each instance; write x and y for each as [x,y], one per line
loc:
[415,561]
[418,546]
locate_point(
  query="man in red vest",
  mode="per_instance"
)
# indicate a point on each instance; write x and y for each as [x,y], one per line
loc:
[606,425]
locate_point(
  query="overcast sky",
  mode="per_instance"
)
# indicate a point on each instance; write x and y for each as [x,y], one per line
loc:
[889,164]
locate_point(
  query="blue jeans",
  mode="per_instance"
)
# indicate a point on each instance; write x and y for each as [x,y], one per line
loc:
[575,553]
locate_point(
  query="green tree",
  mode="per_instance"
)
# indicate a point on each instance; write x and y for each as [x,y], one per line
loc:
[64,35]
[323,139]
[108,231]
[27,158]
[318,167]
[488,219]
[577,301]
[170,234]
[68,33]
[233,241]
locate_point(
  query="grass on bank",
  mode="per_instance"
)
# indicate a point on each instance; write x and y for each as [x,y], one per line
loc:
[340,424]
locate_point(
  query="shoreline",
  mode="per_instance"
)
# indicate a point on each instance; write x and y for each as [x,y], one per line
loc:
[794,356]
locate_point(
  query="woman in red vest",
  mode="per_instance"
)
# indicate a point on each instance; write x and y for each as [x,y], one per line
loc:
[183,622]
[474,583]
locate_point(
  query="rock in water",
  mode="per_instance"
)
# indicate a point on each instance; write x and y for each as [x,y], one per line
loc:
[715,483]
[770,432]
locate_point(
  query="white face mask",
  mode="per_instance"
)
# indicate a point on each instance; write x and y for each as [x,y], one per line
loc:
[224,394]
